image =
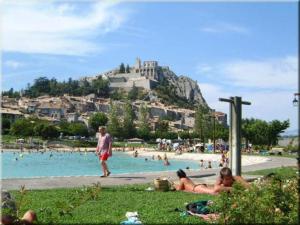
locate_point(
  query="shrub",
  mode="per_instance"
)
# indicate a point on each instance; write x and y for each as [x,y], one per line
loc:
[273,201]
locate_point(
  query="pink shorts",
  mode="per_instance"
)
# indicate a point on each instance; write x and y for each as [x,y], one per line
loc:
[104,156]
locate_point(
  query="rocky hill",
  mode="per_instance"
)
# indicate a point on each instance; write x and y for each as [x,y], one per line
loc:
[153,81]
[185,88]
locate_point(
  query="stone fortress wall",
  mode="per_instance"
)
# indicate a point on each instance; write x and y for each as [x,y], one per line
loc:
[143,74]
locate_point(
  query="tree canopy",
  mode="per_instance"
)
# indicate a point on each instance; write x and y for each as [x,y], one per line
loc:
[97,119]
[44,86]
[260,132]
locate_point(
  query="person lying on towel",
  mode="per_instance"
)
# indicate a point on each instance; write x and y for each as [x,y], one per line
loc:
[223,183]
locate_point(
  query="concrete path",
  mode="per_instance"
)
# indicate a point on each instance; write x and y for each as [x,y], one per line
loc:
[204,176]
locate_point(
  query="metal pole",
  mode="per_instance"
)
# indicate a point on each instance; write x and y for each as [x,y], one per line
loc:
[231,110]
[236,136]
[235,111]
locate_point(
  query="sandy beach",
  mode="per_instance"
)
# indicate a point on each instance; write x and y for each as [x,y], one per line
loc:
[246,160]
[149,152]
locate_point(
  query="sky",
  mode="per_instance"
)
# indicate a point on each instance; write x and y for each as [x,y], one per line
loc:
[247,49]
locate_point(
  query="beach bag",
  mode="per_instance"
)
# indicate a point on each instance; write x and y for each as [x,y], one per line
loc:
[161,184]
[199,207]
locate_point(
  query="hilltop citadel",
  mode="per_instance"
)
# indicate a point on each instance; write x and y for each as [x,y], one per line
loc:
[145,75]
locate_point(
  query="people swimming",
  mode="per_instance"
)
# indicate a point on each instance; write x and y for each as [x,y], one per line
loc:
[223,183]
[166,161]
[135,154]
[201,163]
[165,156]
[159,157]
[209,165]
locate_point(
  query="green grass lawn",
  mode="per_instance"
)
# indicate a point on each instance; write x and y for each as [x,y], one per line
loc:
[111,205]
[285,172]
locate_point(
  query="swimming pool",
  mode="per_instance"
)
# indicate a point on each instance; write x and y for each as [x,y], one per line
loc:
[36,164]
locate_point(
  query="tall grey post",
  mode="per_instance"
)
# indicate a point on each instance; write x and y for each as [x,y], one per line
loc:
[231,109]
[235,110]
[236,116]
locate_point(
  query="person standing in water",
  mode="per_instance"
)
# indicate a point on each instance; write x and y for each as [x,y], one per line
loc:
[104,149]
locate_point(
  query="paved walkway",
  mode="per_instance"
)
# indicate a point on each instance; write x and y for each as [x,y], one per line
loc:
[204,176]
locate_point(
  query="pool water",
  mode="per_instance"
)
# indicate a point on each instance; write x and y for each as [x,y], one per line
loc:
[36,164]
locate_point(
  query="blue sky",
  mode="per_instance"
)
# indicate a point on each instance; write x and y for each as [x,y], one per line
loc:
[231,49]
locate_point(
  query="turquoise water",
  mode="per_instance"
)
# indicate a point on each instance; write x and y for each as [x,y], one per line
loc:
[36,164]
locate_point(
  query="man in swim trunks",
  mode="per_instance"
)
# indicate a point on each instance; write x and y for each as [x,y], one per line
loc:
[104,149]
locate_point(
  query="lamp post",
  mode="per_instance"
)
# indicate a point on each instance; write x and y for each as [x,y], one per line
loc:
[296,99]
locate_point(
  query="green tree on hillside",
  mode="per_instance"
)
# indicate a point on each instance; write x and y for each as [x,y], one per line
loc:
[202,123]
[144,129]
[49,131]
[162,126]
[114,127]
[117,95]
[22,127]
[101,87]
[122,68]
[127,69]
[128,121]
[79,129]
[98,119]
[133,93]
[221,132]
[11,93]
[5,125]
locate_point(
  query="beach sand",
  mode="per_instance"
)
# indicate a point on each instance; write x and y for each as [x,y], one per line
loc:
[246,160]
[149,152]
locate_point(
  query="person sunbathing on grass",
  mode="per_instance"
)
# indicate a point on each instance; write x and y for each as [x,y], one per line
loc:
[9,210]
[223,183]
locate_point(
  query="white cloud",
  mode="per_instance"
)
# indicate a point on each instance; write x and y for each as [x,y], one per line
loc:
[222,27]
[276,73]
[268,84]
[269,73]
[12,64]
[203,68]
[266,105]
[212,93]
[58,28]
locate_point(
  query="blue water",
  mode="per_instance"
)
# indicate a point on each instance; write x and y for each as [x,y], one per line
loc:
[36,164]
